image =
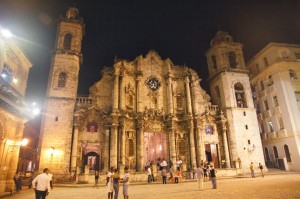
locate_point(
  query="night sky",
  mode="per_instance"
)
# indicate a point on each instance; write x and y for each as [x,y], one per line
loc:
[180,30]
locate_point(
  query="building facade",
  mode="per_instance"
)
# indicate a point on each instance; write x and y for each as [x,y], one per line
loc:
[146,110]
[274,73]
[14,69]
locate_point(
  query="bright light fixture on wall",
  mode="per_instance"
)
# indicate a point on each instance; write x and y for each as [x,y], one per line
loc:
[6,33]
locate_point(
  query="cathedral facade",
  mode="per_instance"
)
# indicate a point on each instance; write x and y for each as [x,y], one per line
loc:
[147,109]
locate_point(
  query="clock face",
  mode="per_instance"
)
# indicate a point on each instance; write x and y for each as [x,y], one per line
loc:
[209,129]
[153,84]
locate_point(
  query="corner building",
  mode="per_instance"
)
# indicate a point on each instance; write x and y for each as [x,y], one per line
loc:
[144,110]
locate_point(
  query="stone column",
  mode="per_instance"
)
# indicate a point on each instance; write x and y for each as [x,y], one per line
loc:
[74,149]
[106,151]
[192,143]
[169,95]
[188,95]
[122,143]
[138,94]
[194,84]
[172,145]
[140,146]
[122,93]
[225,141]
[200,145]
[116,89]
[113,146]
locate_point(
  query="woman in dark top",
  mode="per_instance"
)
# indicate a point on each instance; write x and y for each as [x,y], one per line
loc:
[213,177]
[116,179]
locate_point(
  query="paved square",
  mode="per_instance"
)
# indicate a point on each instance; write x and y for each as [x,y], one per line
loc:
[271,186]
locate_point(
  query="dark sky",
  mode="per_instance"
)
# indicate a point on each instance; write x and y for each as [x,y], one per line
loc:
[180,30]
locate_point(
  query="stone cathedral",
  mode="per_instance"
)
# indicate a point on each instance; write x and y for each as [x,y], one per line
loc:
[147,109]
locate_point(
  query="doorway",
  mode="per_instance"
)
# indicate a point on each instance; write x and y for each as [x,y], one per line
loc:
[155,147]
[211,153]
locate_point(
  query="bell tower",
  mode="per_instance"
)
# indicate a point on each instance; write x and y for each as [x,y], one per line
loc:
[230,90]
[57,119]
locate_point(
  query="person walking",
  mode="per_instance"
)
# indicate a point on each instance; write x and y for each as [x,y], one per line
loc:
[164,175]
[172,173]
[96,179]
[50,177]
[261,169]
[200,177]
[149,174]
[194,171]
[16,180]
[125,181]
[252,170]
[116,179]
[213,177]
[20,181]
[109,183]
[41,184]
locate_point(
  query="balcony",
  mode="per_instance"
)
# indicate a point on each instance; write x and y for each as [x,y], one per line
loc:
[282,133]
[12,101]
[267,114]
[272,135]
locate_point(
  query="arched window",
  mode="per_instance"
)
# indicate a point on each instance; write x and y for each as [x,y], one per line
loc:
[267,154]
[292,74]
[214,61]
[182,148]
[240,95]
[130,148]
[232,59]
[287,153]
[275,152]
[218,94]
[270,80]
[67,41]
[62,78]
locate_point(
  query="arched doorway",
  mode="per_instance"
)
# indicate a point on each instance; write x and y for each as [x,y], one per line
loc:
[92,160]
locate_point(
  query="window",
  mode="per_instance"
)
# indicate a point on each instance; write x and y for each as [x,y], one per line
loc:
[232,59]
[262,86]
[214,61]
[67,41]
[92,127]
[280,122]
[179,103]
[266,105]
[217,91]
[258,108]
[292,74]
[62,77]
[130,148]
[182,148]
[240,95]
[275,152]
[270,83]
[270,123]
[56,119]
[249,142]
[244,113]
[297,94]
[266,61]
[275,101]
[257,68]
[287,153]
[246,126]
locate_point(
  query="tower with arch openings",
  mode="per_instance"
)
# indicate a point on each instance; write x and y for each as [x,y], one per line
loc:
[230,90]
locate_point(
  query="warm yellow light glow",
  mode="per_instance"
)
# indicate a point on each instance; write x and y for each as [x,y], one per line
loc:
[24,142]
[15,80]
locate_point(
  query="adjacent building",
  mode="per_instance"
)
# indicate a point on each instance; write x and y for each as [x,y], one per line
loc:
[275,82]
[14,112]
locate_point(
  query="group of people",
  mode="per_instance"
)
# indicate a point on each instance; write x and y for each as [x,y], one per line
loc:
[113,182]
[18,178]
[260,166]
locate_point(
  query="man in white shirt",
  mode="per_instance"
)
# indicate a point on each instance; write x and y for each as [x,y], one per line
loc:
[109,183]
[41,184]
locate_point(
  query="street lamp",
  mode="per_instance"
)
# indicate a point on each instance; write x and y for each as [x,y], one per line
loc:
[6,33]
